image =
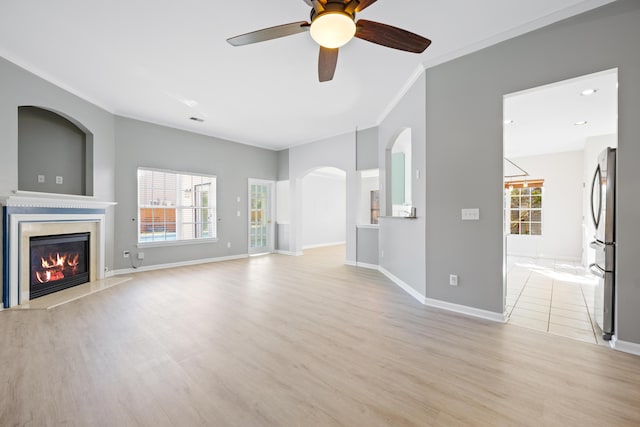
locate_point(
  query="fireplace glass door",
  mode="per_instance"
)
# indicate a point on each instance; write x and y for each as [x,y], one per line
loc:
[58,262]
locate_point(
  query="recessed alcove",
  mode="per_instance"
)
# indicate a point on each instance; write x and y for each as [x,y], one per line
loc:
[55,153]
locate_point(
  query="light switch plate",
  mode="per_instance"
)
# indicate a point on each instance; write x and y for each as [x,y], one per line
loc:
[471,214]
[40,179]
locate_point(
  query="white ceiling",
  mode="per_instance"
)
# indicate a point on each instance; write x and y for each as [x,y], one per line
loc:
[165,61]
[544,118]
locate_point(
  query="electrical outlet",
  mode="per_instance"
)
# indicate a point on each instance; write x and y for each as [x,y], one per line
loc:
[453,280]
[237,213]
[59,180]
[238,199]
[228,244]
[125,254]
[141,255]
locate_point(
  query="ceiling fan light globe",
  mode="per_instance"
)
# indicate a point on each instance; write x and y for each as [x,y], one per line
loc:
[333,29]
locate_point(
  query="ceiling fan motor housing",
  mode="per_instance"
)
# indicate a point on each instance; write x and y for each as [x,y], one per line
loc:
[334,6]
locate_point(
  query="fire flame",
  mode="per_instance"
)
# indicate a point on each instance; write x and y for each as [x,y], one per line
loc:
[54,267]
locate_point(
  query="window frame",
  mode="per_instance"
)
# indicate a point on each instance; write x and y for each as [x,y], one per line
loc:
[179,208]
[511,186]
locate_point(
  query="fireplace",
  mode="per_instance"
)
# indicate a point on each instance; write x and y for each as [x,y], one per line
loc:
[58,262]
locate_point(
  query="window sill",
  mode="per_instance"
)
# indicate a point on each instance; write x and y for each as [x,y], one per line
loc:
[176,243]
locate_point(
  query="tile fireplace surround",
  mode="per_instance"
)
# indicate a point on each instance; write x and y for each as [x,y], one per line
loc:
[26,216]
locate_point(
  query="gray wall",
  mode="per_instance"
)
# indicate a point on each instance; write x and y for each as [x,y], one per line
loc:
[367,149]
[19,87]
[402,252]
[148,145]
[50,145]
[367,245]
[464,151]
[283,165]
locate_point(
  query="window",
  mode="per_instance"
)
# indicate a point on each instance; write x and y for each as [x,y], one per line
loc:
[175,206]
[524,207]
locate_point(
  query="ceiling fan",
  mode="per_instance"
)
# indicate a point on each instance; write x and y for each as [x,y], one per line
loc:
[332,26]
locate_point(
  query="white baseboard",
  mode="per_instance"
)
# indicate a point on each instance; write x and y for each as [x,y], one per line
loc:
[369,266]
[465,309]
[289,253]
[625,346]
[542,256]
[457,308]
[175,264]
[408,289]
[323,245]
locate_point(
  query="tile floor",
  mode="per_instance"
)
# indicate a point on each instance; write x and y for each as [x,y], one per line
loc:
[552,296]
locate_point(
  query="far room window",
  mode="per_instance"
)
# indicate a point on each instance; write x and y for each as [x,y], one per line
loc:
[175,206]
[524,207]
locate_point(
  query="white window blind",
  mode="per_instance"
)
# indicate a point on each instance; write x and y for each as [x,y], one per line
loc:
[175,206]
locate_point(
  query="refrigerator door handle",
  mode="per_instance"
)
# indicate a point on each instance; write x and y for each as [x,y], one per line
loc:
[597,178]
[596,270]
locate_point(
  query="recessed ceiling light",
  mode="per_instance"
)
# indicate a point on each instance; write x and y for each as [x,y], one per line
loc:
[196,119]
[508,122]
[584,122]
[588,92]
[190,103]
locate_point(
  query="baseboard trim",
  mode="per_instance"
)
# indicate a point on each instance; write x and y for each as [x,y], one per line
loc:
[366,265]
[323,245]
[443,305]
[289,253]
[408,289]
[624,346]
[176,264]
[465,309]
[560,258]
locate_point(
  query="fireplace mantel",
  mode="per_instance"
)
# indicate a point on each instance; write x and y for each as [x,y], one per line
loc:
[22,211]
[29,199]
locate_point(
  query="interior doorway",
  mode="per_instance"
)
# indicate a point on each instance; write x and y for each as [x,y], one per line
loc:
[552,137]
[261,225]
[324,208]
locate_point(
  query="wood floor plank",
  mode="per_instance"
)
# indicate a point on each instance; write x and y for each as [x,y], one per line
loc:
[295,341]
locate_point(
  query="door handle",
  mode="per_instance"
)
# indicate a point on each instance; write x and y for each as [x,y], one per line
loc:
[597,176]
[596,270]
[595,245]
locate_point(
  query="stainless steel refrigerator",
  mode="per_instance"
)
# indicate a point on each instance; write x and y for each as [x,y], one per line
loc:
[603,198]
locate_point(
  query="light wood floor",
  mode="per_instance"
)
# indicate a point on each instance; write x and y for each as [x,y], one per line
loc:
[295,341]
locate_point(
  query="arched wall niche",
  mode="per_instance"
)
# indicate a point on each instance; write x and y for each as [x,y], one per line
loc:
[55,153]
[399,189]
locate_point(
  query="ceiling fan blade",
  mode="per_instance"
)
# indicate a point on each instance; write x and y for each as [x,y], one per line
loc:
[269,33]
[327,63]
[389,36]
[363,4]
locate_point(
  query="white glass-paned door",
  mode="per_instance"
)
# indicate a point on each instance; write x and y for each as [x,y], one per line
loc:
[260,224]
